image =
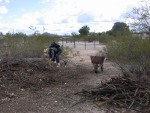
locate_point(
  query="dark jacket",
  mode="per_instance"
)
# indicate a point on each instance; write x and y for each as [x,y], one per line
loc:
[54,45]
[56,48]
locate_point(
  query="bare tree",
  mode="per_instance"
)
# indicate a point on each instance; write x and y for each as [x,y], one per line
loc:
[139,17]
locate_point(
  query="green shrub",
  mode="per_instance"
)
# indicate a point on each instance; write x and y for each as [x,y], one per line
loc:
[66,51]
[26,46]
[132,54]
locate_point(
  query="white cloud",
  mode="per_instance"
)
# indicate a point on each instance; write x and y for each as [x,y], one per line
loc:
[3,10]
[78,13]
[5,1]
[45,1]
[85,18]
[66,16]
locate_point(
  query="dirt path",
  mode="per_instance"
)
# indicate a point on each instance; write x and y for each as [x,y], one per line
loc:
[59,96]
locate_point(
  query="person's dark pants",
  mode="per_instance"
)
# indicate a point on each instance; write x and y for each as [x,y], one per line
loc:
[54,55]
[58,56]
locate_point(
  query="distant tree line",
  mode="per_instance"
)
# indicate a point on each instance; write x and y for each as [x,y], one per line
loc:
[119,28]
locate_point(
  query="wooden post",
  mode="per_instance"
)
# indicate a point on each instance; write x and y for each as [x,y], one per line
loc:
[85,43]
[53,39]
[63,41]
[94,42]
[74,41]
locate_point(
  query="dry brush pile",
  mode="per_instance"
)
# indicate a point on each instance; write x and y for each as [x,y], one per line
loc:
[121,92]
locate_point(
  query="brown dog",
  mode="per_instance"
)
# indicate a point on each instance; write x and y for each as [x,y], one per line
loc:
[97,61]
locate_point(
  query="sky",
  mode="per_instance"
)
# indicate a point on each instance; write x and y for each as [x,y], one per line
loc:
[61,16]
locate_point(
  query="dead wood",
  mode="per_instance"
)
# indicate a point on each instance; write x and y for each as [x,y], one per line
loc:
[120,92]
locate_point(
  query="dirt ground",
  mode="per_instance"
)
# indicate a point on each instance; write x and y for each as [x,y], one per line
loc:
[33,86]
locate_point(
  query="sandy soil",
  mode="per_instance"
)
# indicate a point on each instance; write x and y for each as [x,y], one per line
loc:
[56,93]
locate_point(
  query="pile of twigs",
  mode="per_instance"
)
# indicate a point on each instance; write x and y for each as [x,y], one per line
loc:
[121,92]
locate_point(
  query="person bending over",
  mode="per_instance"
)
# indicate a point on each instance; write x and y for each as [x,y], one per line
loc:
[54,53]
